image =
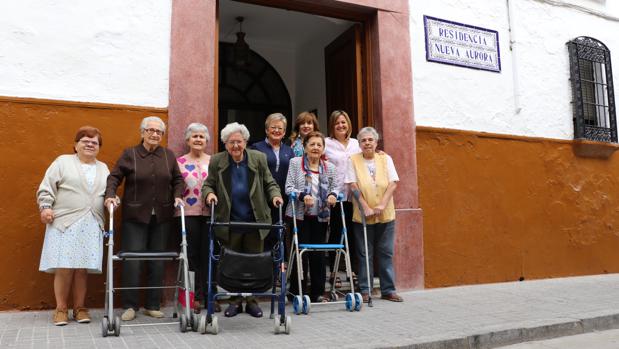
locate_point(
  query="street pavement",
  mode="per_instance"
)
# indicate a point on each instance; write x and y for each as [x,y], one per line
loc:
[479,316]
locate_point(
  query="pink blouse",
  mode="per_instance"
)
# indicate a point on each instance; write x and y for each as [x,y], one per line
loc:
[338,155]
[194,173]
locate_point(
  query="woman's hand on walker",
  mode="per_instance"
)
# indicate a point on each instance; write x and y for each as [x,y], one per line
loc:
[178,202]
[277,201]
[211,199]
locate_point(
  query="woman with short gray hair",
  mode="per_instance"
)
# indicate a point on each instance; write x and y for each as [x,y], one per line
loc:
[194,169]
[242,188]
[278,158]
[153,186]
[373,180]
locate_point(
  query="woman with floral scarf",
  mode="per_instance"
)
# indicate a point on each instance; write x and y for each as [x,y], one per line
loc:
[313,180]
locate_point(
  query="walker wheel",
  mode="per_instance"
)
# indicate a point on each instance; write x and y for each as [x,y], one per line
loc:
[297,304]
[214,325]
[104,327]
[202,324]
[358,301]
[276,323]
[333,296]
[307,304]
[183,323]
[194,320]
[350,302]
[288,325]
[117,326]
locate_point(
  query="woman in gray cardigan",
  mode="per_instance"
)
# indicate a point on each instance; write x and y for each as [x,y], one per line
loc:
[70,200]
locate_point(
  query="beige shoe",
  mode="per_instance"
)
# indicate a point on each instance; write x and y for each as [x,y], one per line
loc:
[61,317]
[128,315]
[81,315]
[154,313]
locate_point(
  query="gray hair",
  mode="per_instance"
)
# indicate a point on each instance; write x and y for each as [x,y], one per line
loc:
[275,117]
[234,127]
[148,119]
[196,127]
[370,130]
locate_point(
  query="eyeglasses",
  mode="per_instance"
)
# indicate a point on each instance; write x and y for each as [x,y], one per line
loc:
[87,142]
[150,131]
[235,142]
[275,128]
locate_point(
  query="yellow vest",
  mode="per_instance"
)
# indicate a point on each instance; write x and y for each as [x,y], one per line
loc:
[372,194]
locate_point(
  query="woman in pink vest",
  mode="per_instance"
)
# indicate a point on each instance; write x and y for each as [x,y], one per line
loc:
[372,176]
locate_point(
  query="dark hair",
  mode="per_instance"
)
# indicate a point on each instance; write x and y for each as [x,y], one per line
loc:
[306,116]
[333,118]
[88,131]
[311,135]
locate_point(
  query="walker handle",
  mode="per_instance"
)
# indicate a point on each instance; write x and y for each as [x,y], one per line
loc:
[293,195]
[340,196]
[212,212]
[182,208]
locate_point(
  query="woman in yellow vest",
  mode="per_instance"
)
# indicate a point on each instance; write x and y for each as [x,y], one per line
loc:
[373,177]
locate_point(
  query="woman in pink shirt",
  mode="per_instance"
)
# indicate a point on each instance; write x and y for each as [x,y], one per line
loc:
[339,146]
[194,169]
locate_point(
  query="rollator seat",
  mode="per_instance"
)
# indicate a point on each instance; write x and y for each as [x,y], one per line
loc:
[147,255]
[322,246]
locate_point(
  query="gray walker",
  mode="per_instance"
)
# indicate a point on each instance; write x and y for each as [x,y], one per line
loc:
[110,324]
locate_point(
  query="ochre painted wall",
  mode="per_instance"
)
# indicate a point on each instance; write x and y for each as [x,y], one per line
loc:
[32,134]
[498,208]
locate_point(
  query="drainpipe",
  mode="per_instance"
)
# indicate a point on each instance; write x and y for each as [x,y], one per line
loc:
[512,44]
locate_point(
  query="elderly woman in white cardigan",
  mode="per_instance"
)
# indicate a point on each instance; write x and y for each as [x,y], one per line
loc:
[70,200]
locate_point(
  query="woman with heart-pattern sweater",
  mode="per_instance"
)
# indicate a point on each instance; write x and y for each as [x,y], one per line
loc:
[194,169]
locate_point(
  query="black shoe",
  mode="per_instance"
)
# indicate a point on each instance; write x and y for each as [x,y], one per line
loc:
[233,310]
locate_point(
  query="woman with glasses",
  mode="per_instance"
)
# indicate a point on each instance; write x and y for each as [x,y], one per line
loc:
[70,200]
[240,184]
[373,178]
[153,186]
[278,158]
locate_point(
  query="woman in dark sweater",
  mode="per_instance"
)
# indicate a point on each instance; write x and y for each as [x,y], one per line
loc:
[153,186]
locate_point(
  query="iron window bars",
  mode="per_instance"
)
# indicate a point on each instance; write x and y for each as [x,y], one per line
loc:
[592,90]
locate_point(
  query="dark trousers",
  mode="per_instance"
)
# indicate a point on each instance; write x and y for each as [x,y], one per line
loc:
[335,234]
[249,242]
[198,253]
[143,237]
[310,231]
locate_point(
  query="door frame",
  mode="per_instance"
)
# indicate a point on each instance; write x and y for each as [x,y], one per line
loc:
[193,94]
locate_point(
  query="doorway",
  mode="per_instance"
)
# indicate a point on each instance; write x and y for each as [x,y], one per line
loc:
[316,61]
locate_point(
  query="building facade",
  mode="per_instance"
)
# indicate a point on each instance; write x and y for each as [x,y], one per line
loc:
[498,182]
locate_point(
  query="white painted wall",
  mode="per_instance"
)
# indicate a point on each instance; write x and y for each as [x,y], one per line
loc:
[532,94]
[111,51]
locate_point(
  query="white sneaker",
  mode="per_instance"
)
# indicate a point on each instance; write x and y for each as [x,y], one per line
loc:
[154,313]
[128,315]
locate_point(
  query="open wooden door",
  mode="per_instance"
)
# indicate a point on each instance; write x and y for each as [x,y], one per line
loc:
[344,75]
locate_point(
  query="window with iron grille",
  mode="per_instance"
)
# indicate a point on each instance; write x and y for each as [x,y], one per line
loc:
[593,96]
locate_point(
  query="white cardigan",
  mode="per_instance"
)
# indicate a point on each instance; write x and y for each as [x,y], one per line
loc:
[64,188]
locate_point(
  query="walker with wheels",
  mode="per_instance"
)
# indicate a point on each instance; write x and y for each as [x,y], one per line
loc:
[271,260]
[110,323]
[301,304]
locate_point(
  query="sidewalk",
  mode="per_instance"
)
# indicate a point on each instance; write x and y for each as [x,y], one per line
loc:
[481,316]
